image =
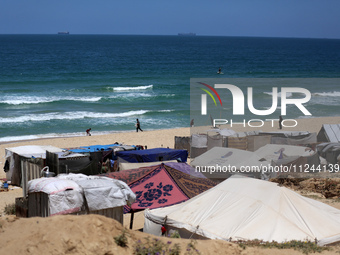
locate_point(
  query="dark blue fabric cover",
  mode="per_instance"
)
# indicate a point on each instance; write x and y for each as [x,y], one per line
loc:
[152,155]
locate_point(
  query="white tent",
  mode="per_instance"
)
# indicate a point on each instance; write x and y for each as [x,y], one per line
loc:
[220,163]
[243,208]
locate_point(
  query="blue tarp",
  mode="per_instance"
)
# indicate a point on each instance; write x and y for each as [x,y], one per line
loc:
[93,148]
[152,155]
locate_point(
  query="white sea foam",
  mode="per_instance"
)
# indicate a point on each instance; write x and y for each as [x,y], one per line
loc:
[132,96]
[165,110]
[40,100]
[69,116]
[132,88]
[289,94]
[327,94]
[33,137]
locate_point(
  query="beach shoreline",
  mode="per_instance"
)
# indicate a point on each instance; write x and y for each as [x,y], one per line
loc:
[159,137]
[303,124]
[150,139]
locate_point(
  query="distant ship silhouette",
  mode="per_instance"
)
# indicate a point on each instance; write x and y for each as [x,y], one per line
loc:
[187,34]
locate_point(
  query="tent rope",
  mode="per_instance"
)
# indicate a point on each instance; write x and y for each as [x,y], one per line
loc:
[195,231]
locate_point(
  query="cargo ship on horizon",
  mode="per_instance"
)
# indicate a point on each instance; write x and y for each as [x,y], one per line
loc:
[187,34]
[63,33]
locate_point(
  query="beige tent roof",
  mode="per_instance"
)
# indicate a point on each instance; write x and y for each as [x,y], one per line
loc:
[244,208]
[273,151]
[228,159]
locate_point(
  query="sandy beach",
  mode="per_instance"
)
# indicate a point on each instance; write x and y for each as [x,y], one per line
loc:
[151,139]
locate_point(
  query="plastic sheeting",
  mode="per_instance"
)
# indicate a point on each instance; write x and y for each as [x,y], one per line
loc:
[66,192]
[65,196]
[102,192]
[247,209]
[329,151]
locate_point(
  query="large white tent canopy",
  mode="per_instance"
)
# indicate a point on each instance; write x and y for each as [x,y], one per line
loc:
[242,208]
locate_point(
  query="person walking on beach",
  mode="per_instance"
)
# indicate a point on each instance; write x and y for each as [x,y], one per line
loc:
[88,132]
[280,122]
[138,126]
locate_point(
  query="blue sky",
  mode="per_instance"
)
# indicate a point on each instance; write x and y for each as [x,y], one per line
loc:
[277,18]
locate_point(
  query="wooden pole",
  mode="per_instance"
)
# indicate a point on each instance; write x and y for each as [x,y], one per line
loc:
[131,219]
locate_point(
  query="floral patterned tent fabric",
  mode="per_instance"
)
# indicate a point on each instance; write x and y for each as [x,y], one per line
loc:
[132,175]
[161,186]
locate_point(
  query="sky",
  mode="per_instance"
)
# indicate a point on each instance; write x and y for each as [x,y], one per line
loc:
[269,18]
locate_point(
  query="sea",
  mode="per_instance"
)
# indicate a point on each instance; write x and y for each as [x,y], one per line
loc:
[61,85]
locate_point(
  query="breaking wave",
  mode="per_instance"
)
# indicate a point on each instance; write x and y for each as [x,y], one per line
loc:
[289,94]
[42,100]
[132,88]
[75,115]
[69,116]
[327,94]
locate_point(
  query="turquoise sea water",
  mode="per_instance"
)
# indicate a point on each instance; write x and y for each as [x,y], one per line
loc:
[54,85]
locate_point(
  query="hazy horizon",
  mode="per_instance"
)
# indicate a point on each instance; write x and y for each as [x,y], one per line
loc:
[245,18]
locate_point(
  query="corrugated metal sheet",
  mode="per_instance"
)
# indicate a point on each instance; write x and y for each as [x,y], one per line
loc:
[332,132]
[113,213]
[38,206]
[29,171]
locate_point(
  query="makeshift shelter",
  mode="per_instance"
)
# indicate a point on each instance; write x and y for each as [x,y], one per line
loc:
[243,208]
[101,155]
[329,133]
[53,196]
[126,166]
[291,137]
[329,151]
[294,154]
[108,148]
[161,186]
[220,163]
[24,163]
[183,143]
[199,145]
[78,193]
[151,155]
